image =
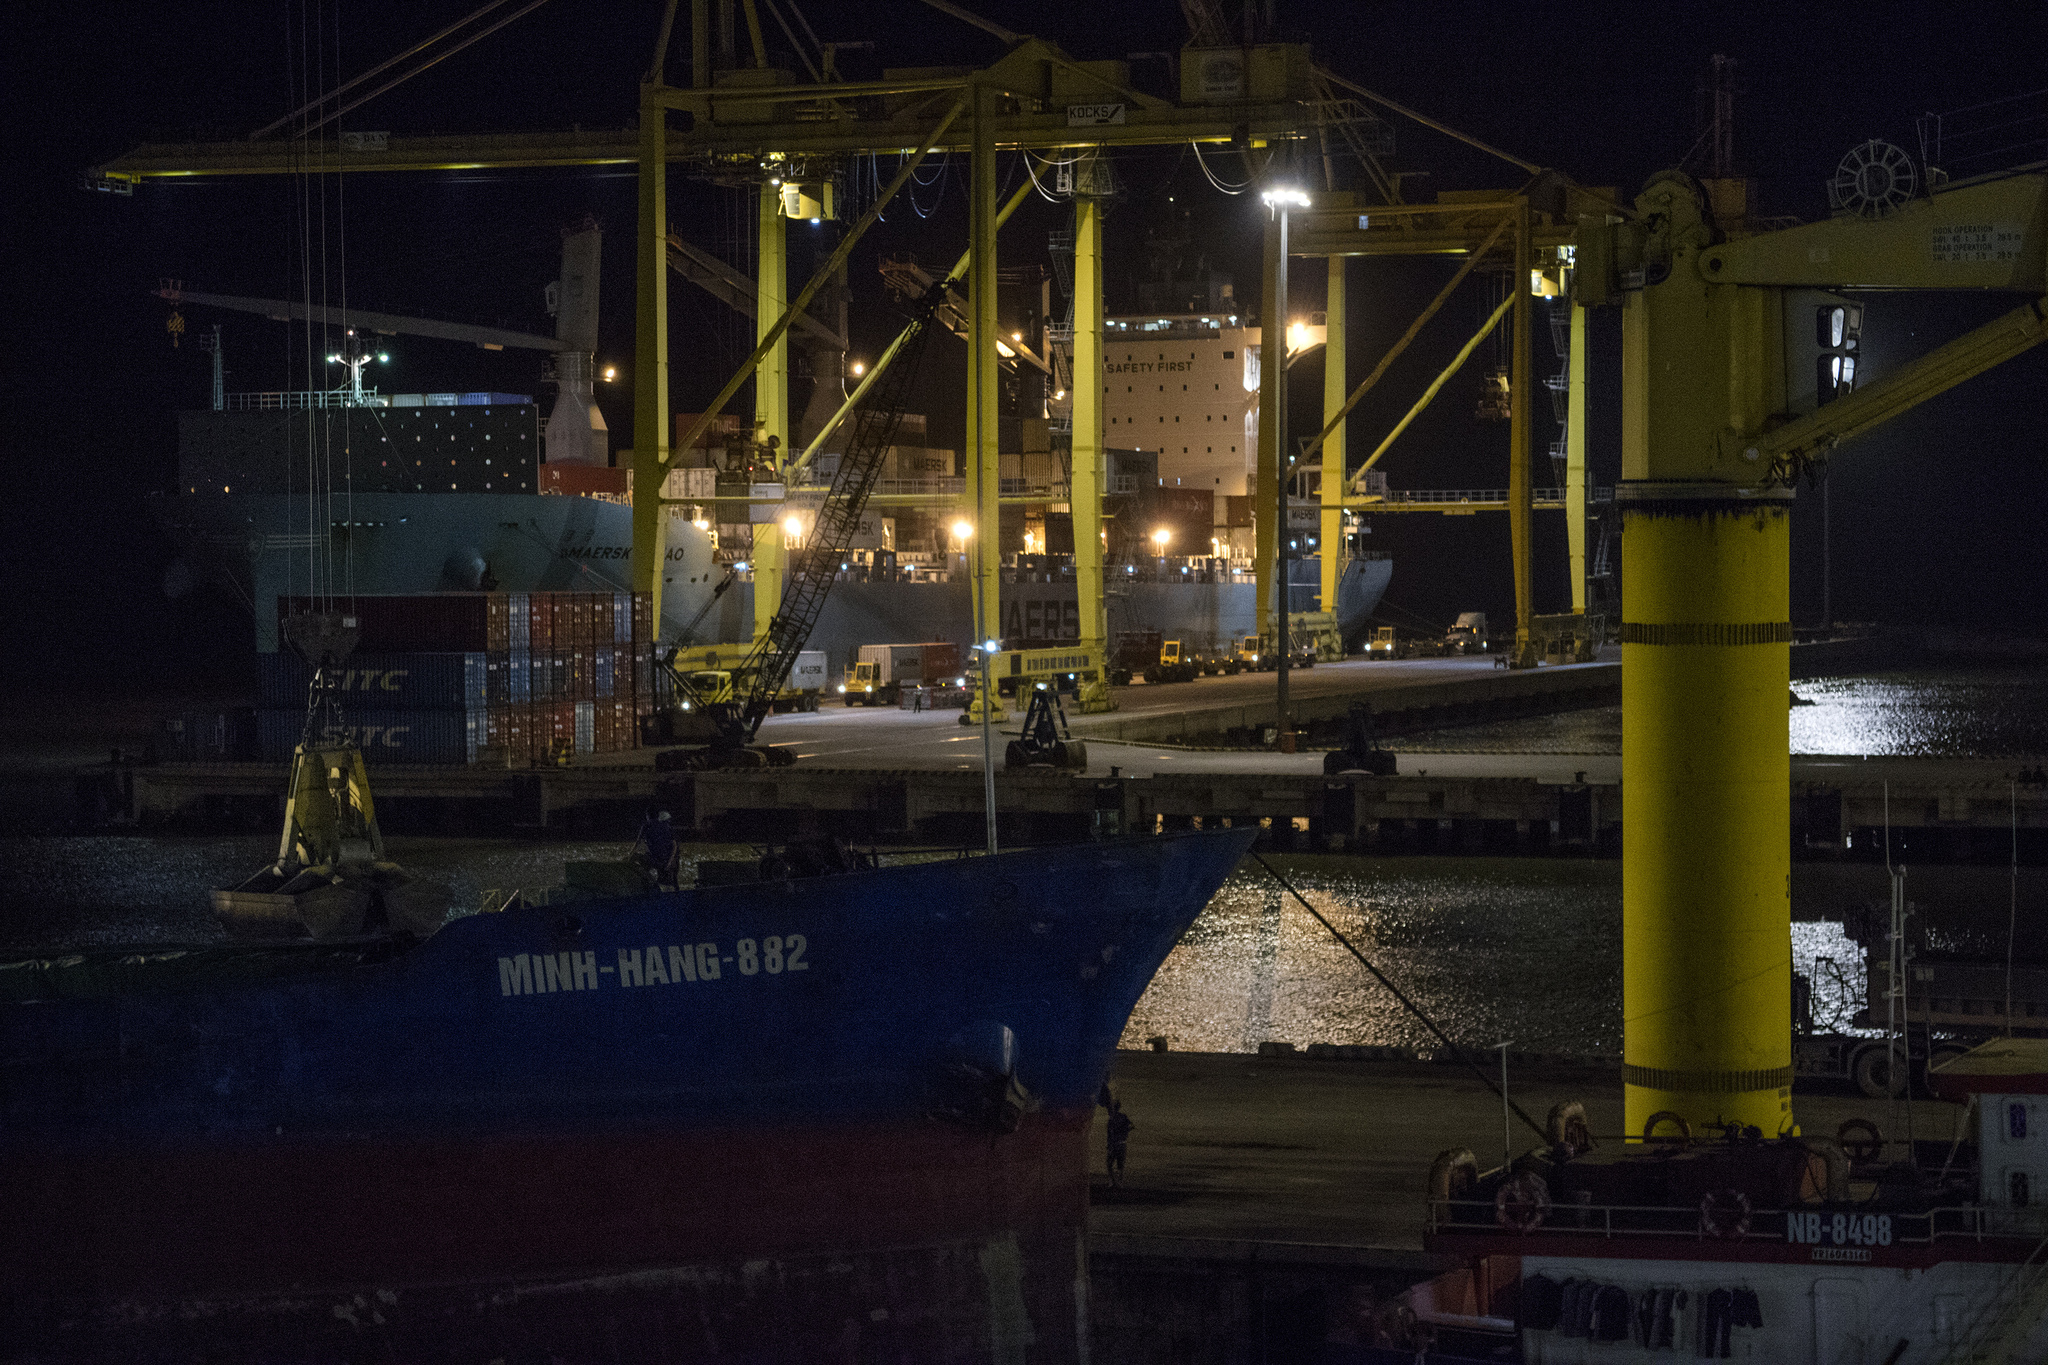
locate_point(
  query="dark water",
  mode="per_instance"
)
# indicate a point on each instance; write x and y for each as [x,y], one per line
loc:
[1980,711]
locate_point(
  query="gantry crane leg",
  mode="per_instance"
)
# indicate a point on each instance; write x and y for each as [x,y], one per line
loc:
[1086,472]
[771,396]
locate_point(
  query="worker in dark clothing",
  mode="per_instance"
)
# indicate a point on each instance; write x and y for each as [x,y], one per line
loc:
[658,838]
[1119,1137]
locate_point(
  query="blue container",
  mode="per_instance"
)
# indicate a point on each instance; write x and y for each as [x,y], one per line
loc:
[386,682]
[435,737]
[604,672]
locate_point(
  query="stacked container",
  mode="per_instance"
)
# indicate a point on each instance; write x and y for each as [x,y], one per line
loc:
[510,678]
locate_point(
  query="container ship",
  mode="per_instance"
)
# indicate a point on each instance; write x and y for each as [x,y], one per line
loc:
[831,1118]
[354,492]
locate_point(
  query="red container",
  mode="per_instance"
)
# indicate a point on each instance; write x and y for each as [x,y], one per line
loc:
[601,619]
[498,621]
[643,618]
[540,618]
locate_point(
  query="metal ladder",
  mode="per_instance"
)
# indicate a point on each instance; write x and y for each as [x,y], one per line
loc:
[1999,1332]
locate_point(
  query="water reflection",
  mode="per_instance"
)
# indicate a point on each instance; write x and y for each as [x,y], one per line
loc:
[1963,713]
[1977,712]
[1492,948]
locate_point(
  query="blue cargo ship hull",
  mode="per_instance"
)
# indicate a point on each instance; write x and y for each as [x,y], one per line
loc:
[786,1074]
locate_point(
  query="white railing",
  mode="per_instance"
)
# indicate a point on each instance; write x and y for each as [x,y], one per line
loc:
[294,400]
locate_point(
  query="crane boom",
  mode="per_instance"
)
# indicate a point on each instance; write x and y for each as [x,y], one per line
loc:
[809,578]
[284,310]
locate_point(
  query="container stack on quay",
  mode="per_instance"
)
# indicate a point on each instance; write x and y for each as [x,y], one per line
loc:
[501,678]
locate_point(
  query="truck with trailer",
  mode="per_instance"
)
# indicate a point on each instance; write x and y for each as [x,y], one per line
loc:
[805,686]
[1945,1008]
[881,672]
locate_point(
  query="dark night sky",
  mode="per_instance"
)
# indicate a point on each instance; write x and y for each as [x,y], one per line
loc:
[1935,517]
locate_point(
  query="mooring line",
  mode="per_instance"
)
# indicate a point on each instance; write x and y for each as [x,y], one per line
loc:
[1410,1005]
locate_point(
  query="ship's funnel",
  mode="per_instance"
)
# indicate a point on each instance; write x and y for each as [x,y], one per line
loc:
[576,429]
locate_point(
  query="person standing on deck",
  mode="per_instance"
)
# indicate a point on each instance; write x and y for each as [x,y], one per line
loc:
[658,837]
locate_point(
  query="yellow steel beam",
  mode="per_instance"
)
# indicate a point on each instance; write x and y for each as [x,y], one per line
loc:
[1414,330]
[888,355]
[1519,418]
[650,373]
[1088,474]
[809,291]
[984,376]
[1331,521]
[1989,235]
[474,151]
[1266,565]
[771,382]
[1575,462]
[1443,378]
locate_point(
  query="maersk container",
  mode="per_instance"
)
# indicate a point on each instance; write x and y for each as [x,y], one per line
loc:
[389,682]
[809,674]
[433,737]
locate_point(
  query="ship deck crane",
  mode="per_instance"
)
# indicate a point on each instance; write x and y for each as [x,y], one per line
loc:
[1738,377]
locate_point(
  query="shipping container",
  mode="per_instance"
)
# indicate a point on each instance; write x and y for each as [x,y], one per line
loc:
[432,737]
[227,736]
[404,624]
[392,682]
[540,622]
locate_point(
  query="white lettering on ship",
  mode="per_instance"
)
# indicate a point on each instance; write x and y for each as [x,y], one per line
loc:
[654,965]
[1820,1230]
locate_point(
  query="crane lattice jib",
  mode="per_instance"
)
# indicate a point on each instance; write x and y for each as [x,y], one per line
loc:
[808,579]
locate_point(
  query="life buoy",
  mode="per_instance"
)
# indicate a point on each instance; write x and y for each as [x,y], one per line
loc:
[1566,1127]
[1860,1139]
[1724,1214]
[1667,1116]
[1522,1203]
[1452,1175]
[1828,1183]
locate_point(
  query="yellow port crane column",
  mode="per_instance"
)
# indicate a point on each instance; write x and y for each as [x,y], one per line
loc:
[1729,396]
[1086,470]
[771,396]
[1706,668]
[650,364]
[1268,569]
[984,552]
[1575,460]
[1334,393]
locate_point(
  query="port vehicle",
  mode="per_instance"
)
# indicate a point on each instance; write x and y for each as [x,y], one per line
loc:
[1174,664]
[1948,1005]
[881,673]
[806,685]
[1136,651]
[1253,654]
[888,1071]
[1468,635]
[1386,644]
